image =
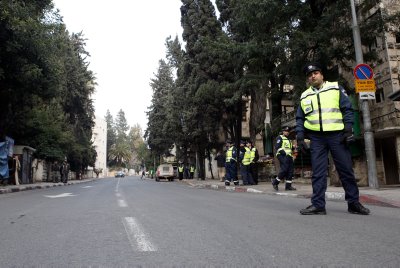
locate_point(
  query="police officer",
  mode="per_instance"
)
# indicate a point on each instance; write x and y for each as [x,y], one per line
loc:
[284,150]
[245,160]
[254,156]
[325,116]
[180,171]
[230,164]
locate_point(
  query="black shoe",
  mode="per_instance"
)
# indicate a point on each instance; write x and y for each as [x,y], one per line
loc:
[311,210]
[357,208]
[227,183]
[290,188]
[236,183]
[275,184]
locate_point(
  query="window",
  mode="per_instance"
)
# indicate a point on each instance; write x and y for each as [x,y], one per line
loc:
[379,95]
[397,38]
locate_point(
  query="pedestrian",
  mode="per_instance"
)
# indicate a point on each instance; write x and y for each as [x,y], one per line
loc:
[284,153]
[17,166]
[143,174]
[186,173]
[191,171]
[230,164]
[4,169]
[244,160]
[325,117]
[220,165]
[254,156]
[180,171]
[64,171]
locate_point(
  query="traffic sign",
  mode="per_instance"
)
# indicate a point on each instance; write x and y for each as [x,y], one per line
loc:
[363,71]
[367,95]
[367,85]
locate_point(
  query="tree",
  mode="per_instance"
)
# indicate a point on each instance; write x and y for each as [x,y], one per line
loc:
[111,133]
[157,133]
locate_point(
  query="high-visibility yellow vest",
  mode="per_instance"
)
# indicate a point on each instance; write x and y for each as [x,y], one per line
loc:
[180,169]
[252,154]
[286,146]
[322,110]
[247,156]
[191,169]
[229,153]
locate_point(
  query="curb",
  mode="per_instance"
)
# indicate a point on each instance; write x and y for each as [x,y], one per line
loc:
[21,188]
[333,196]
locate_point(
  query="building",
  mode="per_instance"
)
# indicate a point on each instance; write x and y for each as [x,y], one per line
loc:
[99,140]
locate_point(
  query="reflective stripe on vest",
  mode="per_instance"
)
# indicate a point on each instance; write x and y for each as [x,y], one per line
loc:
[286,146]
[322,110]
[246,158]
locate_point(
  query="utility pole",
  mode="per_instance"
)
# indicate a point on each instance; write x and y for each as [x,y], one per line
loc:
[368,134]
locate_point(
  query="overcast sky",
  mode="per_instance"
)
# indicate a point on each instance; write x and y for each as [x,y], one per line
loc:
[126,39]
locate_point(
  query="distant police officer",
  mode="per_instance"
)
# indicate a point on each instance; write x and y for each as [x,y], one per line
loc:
[284,150]
[245,160]
[180,171]
[230,164]
[325,116]
[254,156]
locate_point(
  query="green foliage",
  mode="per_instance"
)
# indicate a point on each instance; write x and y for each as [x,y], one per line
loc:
[45,84]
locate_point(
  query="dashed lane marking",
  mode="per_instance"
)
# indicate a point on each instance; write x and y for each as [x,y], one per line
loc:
[136,235]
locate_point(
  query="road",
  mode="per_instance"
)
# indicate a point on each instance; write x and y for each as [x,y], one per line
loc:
[126,222]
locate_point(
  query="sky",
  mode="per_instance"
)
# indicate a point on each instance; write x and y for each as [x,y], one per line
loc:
[125,40]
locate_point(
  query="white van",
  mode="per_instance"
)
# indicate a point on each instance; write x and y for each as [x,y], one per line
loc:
[165,171]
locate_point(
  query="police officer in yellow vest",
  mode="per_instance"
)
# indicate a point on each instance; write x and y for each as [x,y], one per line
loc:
[325,116]
[254,156]
[180,171]
[230,164]
[191,171]
[284,150]
[245,160]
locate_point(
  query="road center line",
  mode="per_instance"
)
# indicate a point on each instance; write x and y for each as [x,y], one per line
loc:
[136,235]
[122,203]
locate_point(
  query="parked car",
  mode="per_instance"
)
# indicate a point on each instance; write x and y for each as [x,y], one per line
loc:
[165,171]
[120,174]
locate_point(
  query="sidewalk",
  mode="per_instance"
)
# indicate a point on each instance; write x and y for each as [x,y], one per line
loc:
[385,196]
[4,189]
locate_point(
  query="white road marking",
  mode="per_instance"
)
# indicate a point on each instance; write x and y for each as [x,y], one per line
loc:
[84,187]
[122,203]
[60,195]
[117,187]
[136,235]
[118,195]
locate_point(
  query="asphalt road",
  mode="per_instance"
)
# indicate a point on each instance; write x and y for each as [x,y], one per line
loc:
[129,222]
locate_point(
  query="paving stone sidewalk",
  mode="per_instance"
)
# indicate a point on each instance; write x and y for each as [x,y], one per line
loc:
[385,196]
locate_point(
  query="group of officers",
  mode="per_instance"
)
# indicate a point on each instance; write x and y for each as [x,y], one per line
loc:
[248,157]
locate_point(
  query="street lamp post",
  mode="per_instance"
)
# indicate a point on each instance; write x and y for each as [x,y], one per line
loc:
[368,134]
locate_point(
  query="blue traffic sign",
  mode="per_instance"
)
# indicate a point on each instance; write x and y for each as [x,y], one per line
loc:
[363,72]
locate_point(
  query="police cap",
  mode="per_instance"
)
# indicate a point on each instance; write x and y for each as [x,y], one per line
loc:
[228,142]
[311,67]
[242,142]
[285,128]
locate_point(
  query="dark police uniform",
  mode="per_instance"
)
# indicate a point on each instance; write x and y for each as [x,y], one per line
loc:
[284,149]
[325,116]
[230,165]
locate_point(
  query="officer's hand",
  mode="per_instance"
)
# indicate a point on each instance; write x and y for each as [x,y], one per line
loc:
[348,136]
[282,152]
[302,146]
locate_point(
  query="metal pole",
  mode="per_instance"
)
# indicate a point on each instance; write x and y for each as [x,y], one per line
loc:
[368,134]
